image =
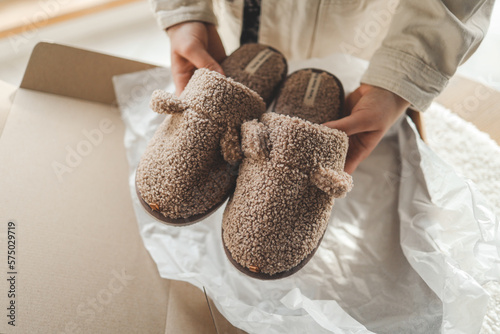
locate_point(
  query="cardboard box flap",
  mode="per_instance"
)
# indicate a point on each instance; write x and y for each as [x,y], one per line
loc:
[81,265]
[6,96]
[67,71]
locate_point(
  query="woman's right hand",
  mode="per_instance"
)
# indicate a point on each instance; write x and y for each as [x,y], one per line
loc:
[194,45]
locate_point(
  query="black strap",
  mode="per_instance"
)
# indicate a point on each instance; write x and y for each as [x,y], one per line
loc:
[251,22]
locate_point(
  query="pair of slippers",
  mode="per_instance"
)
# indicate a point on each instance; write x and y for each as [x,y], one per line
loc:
[280,170]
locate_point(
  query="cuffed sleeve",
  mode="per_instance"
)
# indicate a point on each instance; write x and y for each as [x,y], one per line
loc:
[171,12]
[425,44]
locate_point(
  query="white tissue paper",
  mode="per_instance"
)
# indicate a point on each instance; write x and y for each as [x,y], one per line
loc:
[407,251]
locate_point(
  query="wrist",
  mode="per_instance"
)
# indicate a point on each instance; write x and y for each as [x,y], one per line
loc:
[398,101]
[173,28]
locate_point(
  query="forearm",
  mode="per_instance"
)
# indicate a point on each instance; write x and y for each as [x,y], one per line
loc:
[426,43]
[171,12]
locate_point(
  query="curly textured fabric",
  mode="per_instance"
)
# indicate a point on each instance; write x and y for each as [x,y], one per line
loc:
[326,104]
[291,173]
[186,168]
[265,77]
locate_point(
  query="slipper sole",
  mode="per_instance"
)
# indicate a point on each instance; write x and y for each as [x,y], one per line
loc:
[267,277]
[178,221]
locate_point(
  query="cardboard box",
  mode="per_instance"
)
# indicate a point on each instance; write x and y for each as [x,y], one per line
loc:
[77,263]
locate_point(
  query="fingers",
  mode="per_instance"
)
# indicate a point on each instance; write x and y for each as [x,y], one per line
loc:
[215,46]
[200,58]
[184,65]
[355,123]
[352,99]
[371,109]
[194,45]
[351,165]
[360,147]
[181,80]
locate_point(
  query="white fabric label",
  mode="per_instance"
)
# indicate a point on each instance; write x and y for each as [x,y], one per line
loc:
[258,60]
[312,89]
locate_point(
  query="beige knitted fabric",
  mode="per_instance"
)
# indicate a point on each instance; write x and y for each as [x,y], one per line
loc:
[326,104]
[187,167]
[258,66]
[291,173]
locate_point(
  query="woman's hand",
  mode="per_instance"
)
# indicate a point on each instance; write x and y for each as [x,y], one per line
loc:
[194,45]
[373,111]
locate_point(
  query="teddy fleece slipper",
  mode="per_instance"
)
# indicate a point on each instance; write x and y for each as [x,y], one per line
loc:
[189,167]
[259,67]
[291,173]
[311,94]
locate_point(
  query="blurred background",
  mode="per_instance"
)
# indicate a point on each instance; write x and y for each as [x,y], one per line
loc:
[124,28]
[127,28]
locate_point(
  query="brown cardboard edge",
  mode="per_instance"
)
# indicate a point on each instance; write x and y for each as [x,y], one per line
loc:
[7,92]
[51,69]
[76,73]
[210,309]
[418,121]
[222,325]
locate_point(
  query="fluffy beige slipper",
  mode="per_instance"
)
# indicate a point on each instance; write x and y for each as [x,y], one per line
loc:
[258,66]
[290,175]
[188,168]
[311,94]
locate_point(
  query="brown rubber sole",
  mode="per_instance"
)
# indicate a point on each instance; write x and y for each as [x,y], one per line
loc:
[263,276]
[178,221]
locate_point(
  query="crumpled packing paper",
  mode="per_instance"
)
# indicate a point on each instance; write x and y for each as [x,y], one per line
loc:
[407,250]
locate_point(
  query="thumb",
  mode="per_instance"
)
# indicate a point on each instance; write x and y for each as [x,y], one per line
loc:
[352,124]
[202,59]
[351,164]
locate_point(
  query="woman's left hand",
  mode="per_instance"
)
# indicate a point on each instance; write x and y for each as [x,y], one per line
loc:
[373,111]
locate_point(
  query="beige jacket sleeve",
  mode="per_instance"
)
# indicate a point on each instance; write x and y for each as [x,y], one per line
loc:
[426,42]
[171,12]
